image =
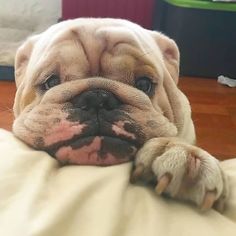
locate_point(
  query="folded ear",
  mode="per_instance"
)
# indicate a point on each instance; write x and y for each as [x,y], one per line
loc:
[22,58]
[170,53]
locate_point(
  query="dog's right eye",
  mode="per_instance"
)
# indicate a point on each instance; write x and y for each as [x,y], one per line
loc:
[52,81]
[144,84]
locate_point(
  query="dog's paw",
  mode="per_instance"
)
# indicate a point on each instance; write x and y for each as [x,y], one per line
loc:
[182,171]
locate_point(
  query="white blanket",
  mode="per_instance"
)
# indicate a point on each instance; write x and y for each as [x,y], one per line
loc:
[39,198]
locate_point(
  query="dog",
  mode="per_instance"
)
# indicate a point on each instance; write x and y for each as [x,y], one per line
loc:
[104,92]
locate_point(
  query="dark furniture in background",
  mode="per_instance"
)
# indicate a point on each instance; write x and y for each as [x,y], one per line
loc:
[6,72]
[206,37]
[139,11]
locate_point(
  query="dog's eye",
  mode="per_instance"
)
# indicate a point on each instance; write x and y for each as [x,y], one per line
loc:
[144,84]
[52,81]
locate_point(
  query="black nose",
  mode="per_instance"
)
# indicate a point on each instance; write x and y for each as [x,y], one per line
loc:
[96,99]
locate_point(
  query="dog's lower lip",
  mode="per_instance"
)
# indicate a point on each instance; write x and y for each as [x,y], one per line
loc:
[52,149]
[116,137]
[131,142]
[95,150]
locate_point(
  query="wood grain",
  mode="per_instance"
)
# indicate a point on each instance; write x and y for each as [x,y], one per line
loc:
[213,107]
[7,94]
[214,115]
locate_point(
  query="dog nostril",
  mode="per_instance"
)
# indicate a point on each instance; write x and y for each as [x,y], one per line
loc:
[96,99]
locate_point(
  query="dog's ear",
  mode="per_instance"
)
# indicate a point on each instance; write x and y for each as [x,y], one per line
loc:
[22,58]
[170,53]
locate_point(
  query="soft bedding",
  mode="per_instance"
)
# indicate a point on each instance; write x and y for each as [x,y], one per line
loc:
[40,198]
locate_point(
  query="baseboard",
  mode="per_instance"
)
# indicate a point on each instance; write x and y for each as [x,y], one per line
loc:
[7,73]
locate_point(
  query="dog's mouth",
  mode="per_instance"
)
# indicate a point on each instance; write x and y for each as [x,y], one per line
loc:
[95,150]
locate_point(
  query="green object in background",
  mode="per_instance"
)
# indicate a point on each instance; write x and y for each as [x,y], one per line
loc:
[204,4]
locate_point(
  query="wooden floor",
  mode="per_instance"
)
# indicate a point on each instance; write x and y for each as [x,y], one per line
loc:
[213,106]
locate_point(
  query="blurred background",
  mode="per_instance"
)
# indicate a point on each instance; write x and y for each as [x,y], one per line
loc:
[19,20]
[204,30]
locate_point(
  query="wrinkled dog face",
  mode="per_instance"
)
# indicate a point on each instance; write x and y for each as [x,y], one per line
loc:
[93,91]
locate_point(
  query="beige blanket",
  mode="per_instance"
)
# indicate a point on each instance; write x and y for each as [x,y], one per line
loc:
[38,198]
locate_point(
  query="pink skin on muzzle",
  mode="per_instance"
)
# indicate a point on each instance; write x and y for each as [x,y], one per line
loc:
[64,131]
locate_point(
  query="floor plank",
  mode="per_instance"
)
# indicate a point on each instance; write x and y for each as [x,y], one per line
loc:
[213,107]
[214,115]
[7,93]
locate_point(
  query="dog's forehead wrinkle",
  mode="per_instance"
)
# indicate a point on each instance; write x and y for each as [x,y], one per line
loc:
[94,41]
[94,49]
[115,35]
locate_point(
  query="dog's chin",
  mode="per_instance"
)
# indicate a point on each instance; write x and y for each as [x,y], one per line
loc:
[96,150]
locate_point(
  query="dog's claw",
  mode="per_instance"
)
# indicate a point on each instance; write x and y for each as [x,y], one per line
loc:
[208,200]
[163,182]
[137,173]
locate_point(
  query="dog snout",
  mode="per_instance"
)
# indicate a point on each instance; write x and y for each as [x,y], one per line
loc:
[96,99]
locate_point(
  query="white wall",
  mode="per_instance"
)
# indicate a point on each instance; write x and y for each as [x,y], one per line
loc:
[22,18]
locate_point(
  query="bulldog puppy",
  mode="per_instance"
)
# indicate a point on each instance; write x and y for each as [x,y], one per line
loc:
[104,92]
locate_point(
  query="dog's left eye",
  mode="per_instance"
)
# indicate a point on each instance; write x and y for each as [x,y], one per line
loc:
[52,81]
[144,84]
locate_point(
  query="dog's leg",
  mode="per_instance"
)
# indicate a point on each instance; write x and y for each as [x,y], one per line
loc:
[182,171]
